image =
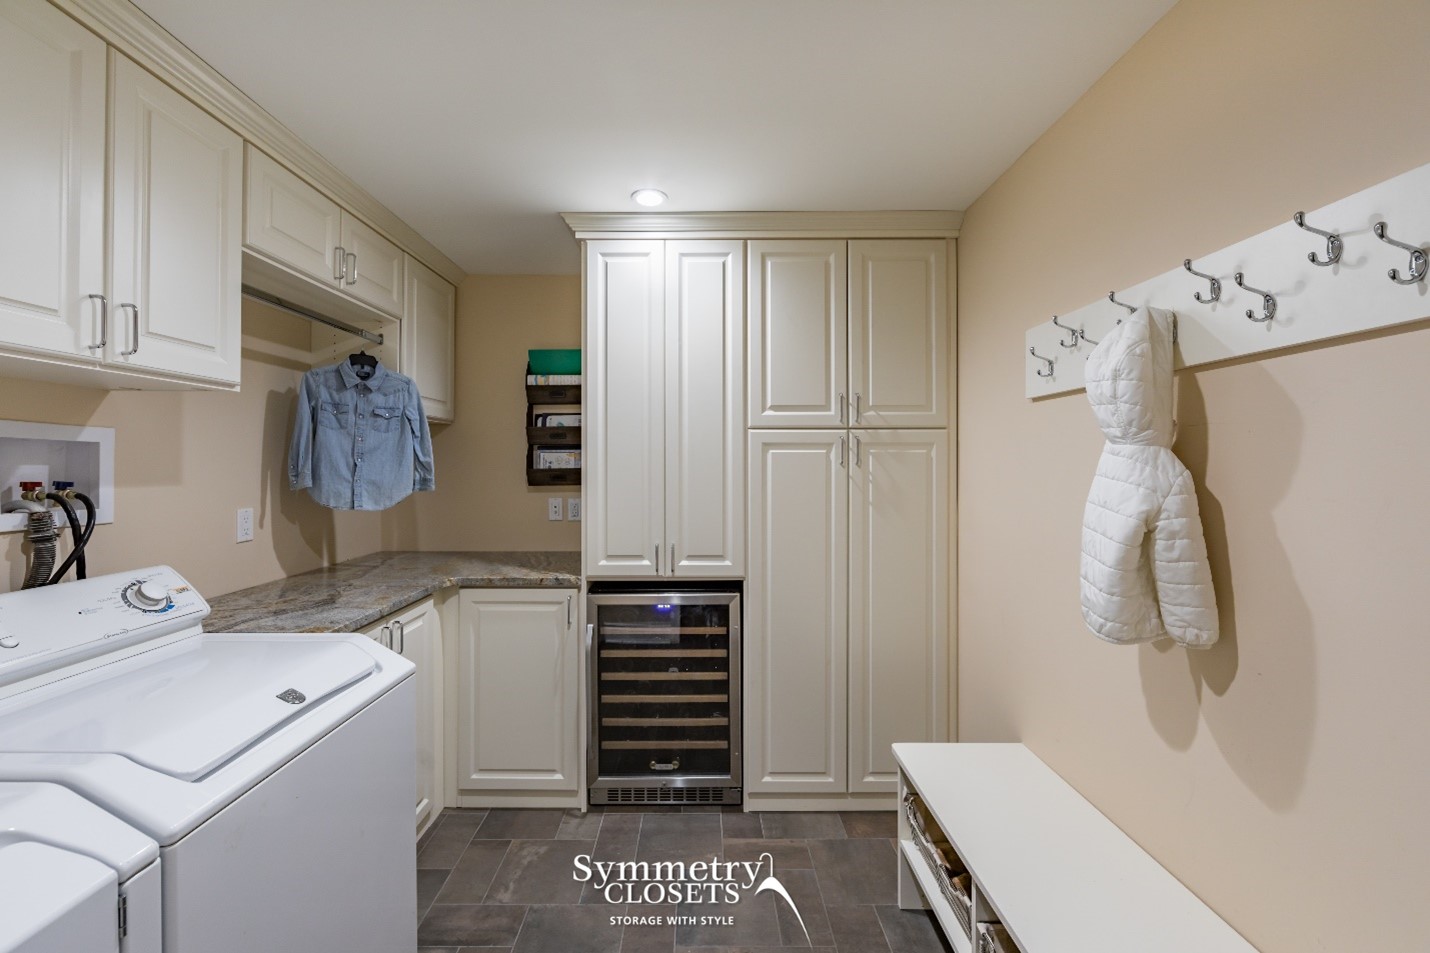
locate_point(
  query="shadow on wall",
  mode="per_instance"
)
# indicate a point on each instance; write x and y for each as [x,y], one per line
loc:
[1264,721]
[303,524]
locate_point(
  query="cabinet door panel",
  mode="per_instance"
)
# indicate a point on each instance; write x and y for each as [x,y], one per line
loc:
[898,333]
[798,334]
[177,223]
[518,674]
[380,266]
[419,640]
[624,409]
[290,221]
[429,339]
[52,100]
[795,623]
[705,440]
[898,599]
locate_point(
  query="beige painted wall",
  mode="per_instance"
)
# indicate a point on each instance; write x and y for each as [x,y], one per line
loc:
[482,500]
[186,461]
[1282,774]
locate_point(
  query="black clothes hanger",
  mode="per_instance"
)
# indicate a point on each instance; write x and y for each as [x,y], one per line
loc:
[364,363]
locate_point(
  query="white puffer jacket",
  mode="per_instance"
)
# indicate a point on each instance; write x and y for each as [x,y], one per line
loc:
[1144,560]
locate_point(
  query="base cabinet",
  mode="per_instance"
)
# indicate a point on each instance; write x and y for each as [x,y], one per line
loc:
[518,711]
[415,633]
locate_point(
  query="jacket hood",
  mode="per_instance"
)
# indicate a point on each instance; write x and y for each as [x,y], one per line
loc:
[1129,380]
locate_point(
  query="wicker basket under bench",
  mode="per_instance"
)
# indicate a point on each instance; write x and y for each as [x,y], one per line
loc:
[1011,859]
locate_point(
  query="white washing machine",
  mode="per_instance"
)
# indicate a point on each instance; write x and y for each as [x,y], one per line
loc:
[73,879]
[275,772]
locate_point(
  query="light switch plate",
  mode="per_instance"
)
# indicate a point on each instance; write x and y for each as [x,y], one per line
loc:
[553,507]
[573,509]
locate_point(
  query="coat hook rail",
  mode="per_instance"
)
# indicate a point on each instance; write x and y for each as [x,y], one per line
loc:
[1214,294]
[1418,262]
[1334,246]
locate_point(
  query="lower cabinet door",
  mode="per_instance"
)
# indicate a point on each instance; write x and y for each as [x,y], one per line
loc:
[898,598]
[418,636]
[796,638]
[518,718]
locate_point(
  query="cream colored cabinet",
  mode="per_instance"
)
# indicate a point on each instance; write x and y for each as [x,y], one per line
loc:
[52,107]
[429,339]
[416,634]
[176,220]
[294,225]
[166,307]
[291,222]
[848,334]
[518,721]
[847,606]
[664,393]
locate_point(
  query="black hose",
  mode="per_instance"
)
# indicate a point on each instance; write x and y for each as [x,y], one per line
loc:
[41,533]
[91,516]
[77,552]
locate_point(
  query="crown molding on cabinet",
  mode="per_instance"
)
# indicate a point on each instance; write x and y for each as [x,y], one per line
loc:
[929,224]
[130,30]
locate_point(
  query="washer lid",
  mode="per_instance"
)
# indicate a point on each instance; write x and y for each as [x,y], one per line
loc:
[55,900]
[187,710]
[55,816]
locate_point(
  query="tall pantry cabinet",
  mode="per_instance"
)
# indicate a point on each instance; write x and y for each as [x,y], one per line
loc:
[846,630]
[776,410]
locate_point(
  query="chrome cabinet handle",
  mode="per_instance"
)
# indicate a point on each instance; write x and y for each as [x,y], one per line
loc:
[340,263]
[384,637]
[657,559]
[672,559]
[841,452]
[841,406]
[402,635]
[134,308]
[351,267]
[103,322]
[858,411]
[856,450]
[568,612]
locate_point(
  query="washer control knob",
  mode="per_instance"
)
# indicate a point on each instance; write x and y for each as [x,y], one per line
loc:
[9,642]
[150,594]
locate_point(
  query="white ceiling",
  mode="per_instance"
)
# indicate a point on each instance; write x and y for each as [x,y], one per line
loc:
[477,121]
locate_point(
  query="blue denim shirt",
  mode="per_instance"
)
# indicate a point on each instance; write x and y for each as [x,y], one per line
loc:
[359,444]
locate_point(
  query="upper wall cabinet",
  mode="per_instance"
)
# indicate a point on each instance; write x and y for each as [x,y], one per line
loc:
[664,452]
[848,334]
[429,339]
[165,312]
[296,226]
[177,232]
[52,94]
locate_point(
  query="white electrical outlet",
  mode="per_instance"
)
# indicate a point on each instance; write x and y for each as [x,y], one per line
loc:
[553,507]
[245,525]
[573,509]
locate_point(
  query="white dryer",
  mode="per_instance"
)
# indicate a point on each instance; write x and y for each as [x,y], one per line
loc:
[275,772]
[73,879]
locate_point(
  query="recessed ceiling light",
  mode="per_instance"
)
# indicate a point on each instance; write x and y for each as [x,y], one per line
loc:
[648,197]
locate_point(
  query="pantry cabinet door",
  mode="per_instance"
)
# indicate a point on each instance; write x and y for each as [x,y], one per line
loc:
[52,100]
[177,232]
[898,333]
[898,599]
[429,339]
[705,408]
[375,267]
[796,639]
[290,221]
[798,334]
[623,413]
[518,676]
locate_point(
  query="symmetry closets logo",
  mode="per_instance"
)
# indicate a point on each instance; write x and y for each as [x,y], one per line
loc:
[714,882]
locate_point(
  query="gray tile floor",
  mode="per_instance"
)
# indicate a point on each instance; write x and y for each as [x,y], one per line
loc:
[503,880]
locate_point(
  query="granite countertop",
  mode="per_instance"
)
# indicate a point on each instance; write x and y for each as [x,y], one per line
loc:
[353,594]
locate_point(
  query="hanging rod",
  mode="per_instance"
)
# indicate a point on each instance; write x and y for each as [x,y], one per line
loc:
[274,302]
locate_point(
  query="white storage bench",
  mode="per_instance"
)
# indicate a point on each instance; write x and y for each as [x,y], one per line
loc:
[1059,875]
